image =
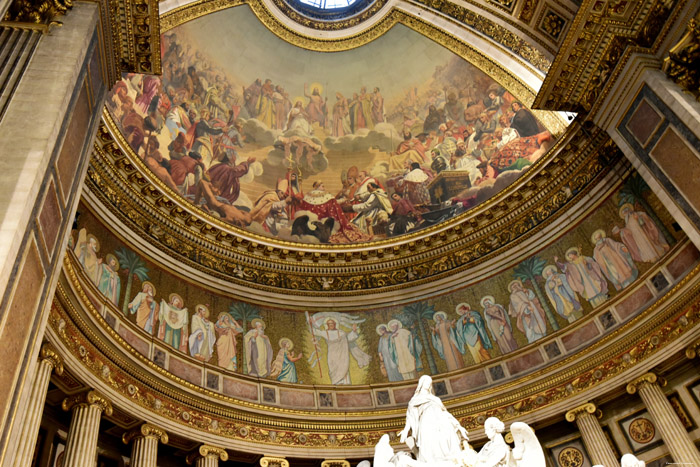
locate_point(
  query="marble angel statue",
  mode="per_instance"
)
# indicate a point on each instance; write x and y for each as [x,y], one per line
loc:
[528,451]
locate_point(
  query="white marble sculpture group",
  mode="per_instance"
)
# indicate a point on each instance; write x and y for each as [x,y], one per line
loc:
[436,439]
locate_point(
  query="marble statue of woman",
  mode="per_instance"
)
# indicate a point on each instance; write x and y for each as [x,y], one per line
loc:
[527,451]
[629,460]
[430,428]
[495,453]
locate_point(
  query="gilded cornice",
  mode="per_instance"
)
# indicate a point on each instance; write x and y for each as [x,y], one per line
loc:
[162,218]
[504,37]
[330,23]
[598,44]
[674,317]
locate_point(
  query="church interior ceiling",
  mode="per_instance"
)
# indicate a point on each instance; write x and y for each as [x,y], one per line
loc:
[300,217]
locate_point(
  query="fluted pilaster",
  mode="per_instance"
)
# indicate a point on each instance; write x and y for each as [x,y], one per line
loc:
[144,450]
[207,456]
[670,427]
[49,360]
[81,444]
[593,436]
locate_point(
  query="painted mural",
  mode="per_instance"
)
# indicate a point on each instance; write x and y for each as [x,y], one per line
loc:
[582,270]
[386,139]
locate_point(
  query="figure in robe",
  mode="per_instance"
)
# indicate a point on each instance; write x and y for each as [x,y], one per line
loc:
[614,259]
[150,85]
[527,310]
[145,307]
[340,345]
[408,151]
[202,337]
[110,282]
[523,121]
[270,210]
[406,350]
[258,349]
[374,208]
[446,342]
[341,119]
[363,111]
[471,331]
[299,121]
[430,428]
[251,96]
[386,352]
[316,108]
[641,236]
[173,320]
[266,107]
[281,105]
[499,324]
[225,177]
[584,276]
[377,106]
[284,367]
[227,331]
[561,295]
[86,249]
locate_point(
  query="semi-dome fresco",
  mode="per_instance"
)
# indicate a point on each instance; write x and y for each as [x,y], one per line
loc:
[386,139]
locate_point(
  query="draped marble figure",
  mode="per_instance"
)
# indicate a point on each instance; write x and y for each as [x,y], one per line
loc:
[430,428]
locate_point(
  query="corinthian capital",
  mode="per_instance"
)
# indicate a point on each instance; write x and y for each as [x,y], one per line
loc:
[50,354]
[574,413]
[88,398]
[146,431]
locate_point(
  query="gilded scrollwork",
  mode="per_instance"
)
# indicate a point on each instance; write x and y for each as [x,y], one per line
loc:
[146,431]
[87,398]
[681,65]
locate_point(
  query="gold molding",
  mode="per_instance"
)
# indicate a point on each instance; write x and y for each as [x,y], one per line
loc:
[332,463]
[693,350]
[598,44]
[87,398]
[146,431]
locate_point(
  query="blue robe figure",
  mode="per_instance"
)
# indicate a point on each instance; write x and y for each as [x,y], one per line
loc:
[284,368]
[387,354]
[471,333]
[561,295]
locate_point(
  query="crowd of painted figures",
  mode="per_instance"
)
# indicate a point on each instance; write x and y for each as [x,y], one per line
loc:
[558,289]
[187,126]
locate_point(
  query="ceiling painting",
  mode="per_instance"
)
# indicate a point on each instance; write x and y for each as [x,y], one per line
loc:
[349,147]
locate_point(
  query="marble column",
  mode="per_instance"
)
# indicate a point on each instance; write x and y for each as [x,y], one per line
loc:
[597,445]
[207,456]
[49,361]
[144,451]
[670,428]
[81,444]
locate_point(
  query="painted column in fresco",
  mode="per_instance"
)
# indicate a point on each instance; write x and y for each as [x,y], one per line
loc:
[593,437]
[144,450]
[49,361]
[81,444]
[670,427]
[207,456]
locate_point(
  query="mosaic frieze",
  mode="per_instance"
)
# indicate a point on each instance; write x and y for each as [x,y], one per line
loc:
[582,270]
